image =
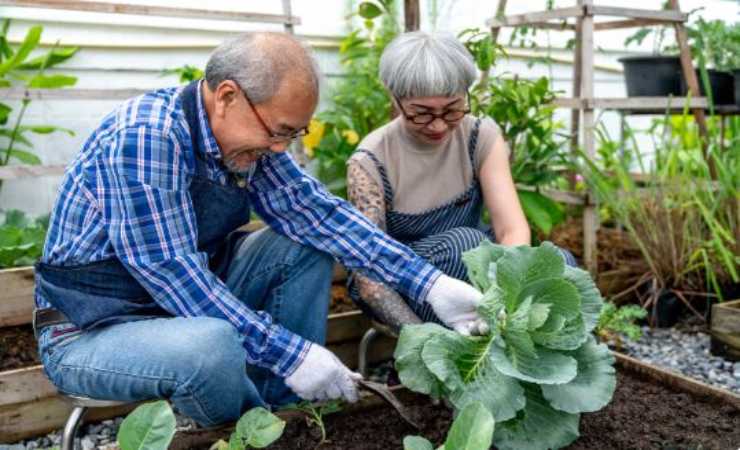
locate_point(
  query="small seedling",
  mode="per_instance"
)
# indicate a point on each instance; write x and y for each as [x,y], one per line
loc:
[315,414]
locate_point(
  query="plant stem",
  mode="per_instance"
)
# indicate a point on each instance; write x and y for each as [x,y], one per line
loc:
[14,135]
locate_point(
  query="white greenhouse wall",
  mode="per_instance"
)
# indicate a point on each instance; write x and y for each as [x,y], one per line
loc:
[118,51]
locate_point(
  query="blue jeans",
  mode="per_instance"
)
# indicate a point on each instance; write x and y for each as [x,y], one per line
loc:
[198,363]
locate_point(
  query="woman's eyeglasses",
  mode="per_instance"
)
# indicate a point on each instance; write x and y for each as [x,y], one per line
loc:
[449,115]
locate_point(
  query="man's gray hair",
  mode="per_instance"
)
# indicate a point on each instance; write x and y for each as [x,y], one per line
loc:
[259,61]
[420,64]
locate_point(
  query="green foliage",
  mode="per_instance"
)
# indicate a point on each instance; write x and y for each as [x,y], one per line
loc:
[360,103]
[185,74]
[540,366]
[315,414]
[523,110]
[21,239]
[18,67]
[616,321]
[472,429]
[684,222]
[151,426]
[716,42]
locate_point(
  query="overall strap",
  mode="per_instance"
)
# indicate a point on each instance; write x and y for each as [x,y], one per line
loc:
[472,144]
[387,189]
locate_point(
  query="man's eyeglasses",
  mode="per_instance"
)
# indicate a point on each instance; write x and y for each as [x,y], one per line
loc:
[449,115]
[274,138]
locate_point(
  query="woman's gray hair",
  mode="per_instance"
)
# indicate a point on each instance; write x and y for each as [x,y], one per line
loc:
[259,61]
[420,64]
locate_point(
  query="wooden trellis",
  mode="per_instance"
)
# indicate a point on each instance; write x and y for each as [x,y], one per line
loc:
[583,101]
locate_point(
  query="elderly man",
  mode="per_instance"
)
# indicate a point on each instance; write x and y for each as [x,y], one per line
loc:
[146,289]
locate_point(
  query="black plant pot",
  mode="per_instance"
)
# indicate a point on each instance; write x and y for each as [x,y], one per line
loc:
[721,84]
[666,311]
[736,74]
[652,76]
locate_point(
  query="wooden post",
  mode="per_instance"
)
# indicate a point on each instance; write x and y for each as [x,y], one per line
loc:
[411,14]
[575,114]
[590,223]
[500,9]
[693,84]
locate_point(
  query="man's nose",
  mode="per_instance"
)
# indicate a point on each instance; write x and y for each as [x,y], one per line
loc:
[279,147]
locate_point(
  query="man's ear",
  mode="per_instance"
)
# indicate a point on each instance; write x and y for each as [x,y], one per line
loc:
[226,96]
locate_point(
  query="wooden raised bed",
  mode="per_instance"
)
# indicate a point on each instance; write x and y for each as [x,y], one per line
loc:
[725,329]
[30,405]
[16,296]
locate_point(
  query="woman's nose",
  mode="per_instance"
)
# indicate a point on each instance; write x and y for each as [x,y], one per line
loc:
[437,125]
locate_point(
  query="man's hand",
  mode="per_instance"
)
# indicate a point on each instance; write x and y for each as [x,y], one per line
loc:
[322,376]
[456,304]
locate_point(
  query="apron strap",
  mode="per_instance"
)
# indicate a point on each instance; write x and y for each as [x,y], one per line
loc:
[472,144]
[387,189]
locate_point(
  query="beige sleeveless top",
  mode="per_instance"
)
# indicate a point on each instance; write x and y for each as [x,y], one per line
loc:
[425,176]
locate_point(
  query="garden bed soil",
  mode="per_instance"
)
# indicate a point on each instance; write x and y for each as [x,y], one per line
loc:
[642,415]
[17,348]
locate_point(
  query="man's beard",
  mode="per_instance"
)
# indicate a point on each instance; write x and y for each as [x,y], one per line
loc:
[233,167]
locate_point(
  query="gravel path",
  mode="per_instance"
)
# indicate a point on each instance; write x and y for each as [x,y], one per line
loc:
[686,352]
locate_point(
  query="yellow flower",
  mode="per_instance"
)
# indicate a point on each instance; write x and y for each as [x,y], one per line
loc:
[351,136]
[312,139]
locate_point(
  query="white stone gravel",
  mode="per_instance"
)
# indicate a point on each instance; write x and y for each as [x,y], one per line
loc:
[686,352]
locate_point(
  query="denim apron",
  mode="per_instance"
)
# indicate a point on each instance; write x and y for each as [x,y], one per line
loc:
[104,292]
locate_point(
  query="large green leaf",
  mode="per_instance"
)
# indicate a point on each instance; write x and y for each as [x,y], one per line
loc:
[537,427]
[592,388]
[257,428]
[478,261]
[522,265]
[559,294]
[544,367]
[569,335]
[542,212]
[149,427]
[471,430]
[22,156]
[33,36]
[412,371]
[591,300]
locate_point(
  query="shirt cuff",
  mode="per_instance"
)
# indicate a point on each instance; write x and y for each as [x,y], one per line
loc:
[285,351]
[425,276]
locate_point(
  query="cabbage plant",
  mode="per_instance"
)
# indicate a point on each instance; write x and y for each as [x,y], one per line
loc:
[539,367]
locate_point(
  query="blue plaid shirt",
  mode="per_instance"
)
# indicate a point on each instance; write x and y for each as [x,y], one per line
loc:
[126,195]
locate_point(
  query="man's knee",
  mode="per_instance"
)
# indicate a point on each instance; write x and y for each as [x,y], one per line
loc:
[288,252]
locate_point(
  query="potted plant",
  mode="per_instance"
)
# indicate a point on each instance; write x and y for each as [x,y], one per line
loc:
[715,45]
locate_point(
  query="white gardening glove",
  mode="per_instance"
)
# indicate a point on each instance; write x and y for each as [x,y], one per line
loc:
[322,376]
[456,304]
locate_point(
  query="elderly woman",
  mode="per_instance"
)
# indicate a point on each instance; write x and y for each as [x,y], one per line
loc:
[426,176]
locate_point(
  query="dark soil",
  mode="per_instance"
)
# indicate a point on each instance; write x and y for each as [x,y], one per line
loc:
[17,348]
[642,415]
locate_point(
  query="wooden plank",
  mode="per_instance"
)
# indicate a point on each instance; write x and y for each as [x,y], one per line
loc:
[677,380]
[411,15]
[16,299]
[569,198]
[165,11]
[662,104]
[725,329]
[24,385]
[31,419]
[346,326]
[71,93]
[30,171]
[664,16]
[535,17]
[627,23]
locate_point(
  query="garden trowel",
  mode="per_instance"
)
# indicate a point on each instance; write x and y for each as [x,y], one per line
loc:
[382,391]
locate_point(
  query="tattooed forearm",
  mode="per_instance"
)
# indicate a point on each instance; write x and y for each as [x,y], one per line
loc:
[387,304]
[367,196]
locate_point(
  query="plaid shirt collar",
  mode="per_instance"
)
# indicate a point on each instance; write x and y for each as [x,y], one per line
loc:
[208,144]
